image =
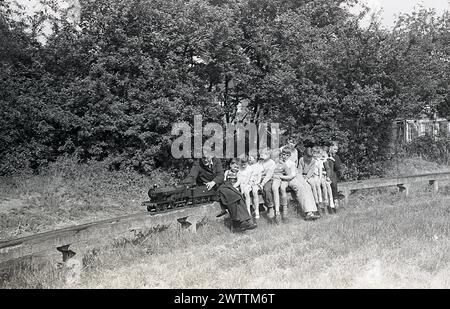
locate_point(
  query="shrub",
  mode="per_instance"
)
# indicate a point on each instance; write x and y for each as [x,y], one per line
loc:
[430,149]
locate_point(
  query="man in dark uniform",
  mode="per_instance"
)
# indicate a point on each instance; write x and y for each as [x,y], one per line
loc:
[208,172]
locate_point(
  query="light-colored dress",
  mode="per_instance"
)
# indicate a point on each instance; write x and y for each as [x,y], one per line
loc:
[303,193]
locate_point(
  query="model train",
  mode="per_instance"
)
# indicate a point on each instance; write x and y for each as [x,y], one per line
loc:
[168,198]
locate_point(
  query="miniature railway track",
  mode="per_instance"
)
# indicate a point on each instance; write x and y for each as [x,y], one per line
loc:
[102,232]
[402,182]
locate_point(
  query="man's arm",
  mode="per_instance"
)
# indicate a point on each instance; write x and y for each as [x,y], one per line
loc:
[219,172]
[193,174]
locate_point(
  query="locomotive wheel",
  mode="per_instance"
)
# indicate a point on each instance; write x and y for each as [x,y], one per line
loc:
[198,200]
[181,204]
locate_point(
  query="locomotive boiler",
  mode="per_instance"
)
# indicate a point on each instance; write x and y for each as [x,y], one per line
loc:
[162,199]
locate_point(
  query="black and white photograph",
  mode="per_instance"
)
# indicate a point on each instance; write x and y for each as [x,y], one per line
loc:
[236,147]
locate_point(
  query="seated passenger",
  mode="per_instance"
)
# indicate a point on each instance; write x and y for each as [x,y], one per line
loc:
[254,181]
[231,173]
[267,166]
[326,182]
[208,171]
[310,171]
[291,143]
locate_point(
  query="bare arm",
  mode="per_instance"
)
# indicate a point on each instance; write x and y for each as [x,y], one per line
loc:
[268,176]
[290,173]
[219,170]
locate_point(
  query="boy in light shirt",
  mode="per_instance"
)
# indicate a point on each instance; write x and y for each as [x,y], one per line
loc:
[291,144]
[285,172]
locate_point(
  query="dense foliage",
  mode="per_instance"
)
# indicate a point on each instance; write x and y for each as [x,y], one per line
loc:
[430,149]
[109,86]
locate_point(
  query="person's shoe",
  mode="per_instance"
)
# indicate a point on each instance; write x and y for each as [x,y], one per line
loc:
[235,227]
[336,204]
[284,218]
[276,219]
[334,210]
[257,217]
[247,225]
[310,216]
[222,213]
[271,213]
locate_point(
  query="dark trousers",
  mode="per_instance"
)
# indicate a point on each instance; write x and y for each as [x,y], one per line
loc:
[238,211]
[268,194]
[334,189]
[231,199]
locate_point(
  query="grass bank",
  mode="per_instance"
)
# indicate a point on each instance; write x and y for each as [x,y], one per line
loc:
[378,241]
[68,193]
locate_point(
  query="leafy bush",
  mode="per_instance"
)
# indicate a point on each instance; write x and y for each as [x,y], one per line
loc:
[109,87]
[430,149]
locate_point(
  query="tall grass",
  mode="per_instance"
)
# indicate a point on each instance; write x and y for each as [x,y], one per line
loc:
[378,241]
[69,193]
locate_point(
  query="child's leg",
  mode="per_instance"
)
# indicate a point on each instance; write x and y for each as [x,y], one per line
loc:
[318,189]
[268,197]
[283,197]
[330,195]
[255,190]
[334,189]
[248,200]
[323,187]
[311,182]
[276,194]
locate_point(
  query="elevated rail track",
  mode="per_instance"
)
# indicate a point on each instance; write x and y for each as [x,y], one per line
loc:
[96,234]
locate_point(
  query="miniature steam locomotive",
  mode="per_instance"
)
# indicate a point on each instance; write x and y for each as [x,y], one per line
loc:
[174,197]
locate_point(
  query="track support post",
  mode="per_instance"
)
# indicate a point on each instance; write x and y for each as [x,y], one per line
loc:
[434,186]
[404,190]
